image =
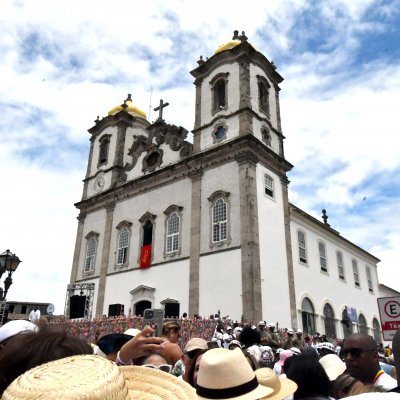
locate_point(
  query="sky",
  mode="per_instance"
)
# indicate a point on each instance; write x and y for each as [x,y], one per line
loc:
[64,63]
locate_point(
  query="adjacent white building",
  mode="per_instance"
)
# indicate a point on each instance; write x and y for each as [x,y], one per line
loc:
[208,226]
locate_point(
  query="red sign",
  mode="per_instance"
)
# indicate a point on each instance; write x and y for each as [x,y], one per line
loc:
[145,257]
[389,310]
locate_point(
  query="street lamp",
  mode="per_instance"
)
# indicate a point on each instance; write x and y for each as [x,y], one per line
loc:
[8,263]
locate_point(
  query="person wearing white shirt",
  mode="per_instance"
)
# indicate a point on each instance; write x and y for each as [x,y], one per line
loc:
[34,315]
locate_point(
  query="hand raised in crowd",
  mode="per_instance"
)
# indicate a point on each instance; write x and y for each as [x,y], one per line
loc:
[141,345]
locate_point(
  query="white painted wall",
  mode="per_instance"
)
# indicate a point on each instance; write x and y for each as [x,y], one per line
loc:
[171,280]
[323,287]
[221,284]
[274,275]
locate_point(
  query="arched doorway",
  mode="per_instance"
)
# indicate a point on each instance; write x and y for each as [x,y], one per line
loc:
[347,324]
[376,329]
[329,321]
[362,324]
[308,316]
[140,306]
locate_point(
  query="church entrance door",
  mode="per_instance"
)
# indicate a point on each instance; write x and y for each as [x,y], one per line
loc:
[140,306]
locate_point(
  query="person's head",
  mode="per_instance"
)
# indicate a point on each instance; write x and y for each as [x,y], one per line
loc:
[171,331]
[261,325]
[156,361]
[271,327]
[12,328]
[234,344]
[193,347]
[325,348]
[184,315]
[310,377]
[29,349]
[112,343]
[249,336]
[345,385]
[193,371]
[361,357]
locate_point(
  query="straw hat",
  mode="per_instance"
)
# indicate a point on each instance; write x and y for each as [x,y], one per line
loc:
[332,365]
[226,374]
[195,344]
[89,377]
[282,387]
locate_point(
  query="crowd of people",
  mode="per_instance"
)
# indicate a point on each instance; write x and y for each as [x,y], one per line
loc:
[231,361]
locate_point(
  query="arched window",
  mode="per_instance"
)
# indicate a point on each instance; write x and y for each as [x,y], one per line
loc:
[263,94]
[362,324]
[219,87]
[347,324]
[308,316]
[220,221]
[322,256]
[266,136]
[376,329]
[329,321]
[104,145]
[340,265]
[301,239]
[355,272]
[147,238]
[123,246]
[369,280]
[173,233]
[90,257]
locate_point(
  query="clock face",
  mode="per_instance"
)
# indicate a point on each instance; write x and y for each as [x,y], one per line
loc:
[99,183]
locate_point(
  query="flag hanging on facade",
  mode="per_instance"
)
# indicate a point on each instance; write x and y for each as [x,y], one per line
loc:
[145,257]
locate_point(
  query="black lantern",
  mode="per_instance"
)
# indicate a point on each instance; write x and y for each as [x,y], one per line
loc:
[8,263]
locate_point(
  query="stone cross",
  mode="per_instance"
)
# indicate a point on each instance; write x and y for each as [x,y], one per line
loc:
[160,108]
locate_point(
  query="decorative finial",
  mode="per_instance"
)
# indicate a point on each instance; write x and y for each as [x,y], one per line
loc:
[97,120]
[124,105]
[235,35]
[273,65]
[325,217]
[243,37]
[129,98]
[200,61]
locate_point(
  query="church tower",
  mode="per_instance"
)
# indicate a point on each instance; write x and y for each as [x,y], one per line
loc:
[203,226]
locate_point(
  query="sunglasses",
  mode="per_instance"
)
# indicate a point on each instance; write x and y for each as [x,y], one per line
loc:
[163,367]
[355,352]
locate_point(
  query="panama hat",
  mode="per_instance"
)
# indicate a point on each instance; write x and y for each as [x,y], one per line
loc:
[226,374]
[89,377]
[332,365]
[282,387]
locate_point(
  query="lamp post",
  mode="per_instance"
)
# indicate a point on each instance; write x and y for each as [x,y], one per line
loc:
[8,263]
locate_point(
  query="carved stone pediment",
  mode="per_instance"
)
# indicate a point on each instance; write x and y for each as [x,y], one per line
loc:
[158,133]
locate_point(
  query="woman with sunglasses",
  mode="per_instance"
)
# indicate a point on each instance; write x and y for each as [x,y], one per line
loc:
[156,361]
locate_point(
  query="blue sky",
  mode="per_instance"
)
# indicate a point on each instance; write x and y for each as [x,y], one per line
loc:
[63,63]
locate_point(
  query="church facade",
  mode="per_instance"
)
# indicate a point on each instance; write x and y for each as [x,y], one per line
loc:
[207,226]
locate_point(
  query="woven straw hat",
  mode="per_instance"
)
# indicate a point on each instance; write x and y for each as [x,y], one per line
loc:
[90,377]
[282,387]
[226,374]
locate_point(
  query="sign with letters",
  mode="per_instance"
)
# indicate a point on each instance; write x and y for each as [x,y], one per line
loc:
[389,311]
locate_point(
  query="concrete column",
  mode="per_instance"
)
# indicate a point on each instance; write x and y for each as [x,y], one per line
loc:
[104,259]
[78,246]
[197,120]
[250,246]
[195,230]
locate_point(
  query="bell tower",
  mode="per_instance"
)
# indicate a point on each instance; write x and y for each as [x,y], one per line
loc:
[237,93]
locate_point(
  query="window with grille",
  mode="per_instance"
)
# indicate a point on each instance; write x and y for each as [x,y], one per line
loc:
[301,238]
[269,186]
[339,259]
[90,254]
[104,149]
[369,279]
[173,233]
[123,244]
[362,324]
[219,213]
[355,272]
[322,256]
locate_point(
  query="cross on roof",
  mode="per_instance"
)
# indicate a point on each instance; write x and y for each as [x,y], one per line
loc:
[160,108]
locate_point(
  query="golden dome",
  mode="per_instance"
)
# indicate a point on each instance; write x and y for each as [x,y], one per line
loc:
[128,107]
[229,45]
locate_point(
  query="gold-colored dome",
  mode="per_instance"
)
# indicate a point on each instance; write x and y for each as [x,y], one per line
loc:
[229,45]
[128,107]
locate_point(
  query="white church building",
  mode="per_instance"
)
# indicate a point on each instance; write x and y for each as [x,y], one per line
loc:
[207,226]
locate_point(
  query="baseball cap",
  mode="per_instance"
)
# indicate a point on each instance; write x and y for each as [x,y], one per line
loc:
[195,344]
